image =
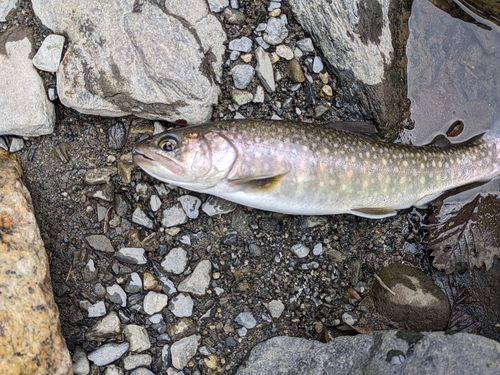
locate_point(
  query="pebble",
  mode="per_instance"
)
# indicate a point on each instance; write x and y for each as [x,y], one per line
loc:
[273,5]
[300,250]
[133,361]
[320,110]
[125,167]
[105,192]
[96,310]
[258,97]
[107,327]
[89,272]
[306,45]
[122,207]
[242,75]
[100,242]
[173,216]
[261,27]
[284,51]
[150,282]
[133,284]
[142,371]
[242,332]
[137,337]
[246,57]
[183,350]
[168,286]
[140,217]
[327,90]
[165,355]
[81,365]
[117,295]
[234,16]
[242,44]
[276,308]
[117,136]
[217,6]
[113,370]
[181,305]
[276,31]
[49,54]
[295,71]
[108,353]
[190,204]
[131,255]
[264,69]
[260,41]
[234,55]
[16,144]
[197,282]
[155,202]
[246,320]
[161,190]
[154,302]
[175,261]
[318,249]
[142,189]
[349,319]
[241,97]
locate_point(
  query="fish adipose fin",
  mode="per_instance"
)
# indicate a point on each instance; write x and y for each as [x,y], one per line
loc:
[259,183]
[374,213]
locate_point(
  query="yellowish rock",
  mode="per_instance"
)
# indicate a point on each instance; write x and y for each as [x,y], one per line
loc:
[275,12]
[211,361]
[295,71]
[125,167]
[246,57]
[327,91]
[149,281]
[30,333]
[274,57]
[324,77]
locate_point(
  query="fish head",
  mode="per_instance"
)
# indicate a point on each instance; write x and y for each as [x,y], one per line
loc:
[192,157]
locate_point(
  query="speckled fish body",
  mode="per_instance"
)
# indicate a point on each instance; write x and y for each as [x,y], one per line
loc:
[309,169]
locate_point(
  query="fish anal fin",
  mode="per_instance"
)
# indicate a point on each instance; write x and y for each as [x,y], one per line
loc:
[259,183]
[374,212]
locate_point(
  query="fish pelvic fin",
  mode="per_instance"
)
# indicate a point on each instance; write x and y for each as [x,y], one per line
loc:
[259,183]
[373,212]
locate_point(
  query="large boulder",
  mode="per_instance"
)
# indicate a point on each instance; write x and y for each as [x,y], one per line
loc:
[30,333]
[125,57]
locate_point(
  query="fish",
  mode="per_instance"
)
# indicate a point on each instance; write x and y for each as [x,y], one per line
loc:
[313,169]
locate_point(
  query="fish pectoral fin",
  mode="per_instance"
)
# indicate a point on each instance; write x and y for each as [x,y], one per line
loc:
[259,183]
[373,212]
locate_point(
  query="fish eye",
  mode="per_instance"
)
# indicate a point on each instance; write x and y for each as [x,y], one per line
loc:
[169,144]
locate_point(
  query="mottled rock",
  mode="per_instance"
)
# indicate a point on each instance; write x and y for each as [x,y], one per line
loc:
[6,7]
[197,282]
[117,136]
[276,308]
[190,205]
[183,350]
[276,31]
[133,361]
[306,45]
[99,175]
[174,216]
[246,319]
[96,310]
[264,69]
[49,54]
[242,75]
[133,284]
[150,281]
[217,206]
[140,217]
[107,327]
[300,250]
[241,97]
[150,62]
[175,261]
[30,333]
[417,302]
[113,370]
[242,44]
[217,6]
[181,306]
[117,295]
[81,365]
[383,352]
[132,255]
[108,353]
[154,302]
[284,51]
[25,109]
[137,337]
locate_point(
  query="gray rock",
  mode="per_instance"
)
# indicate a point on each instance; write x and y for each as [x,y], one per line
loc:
[242,44]
[284,51]
[181,306]
[300,250]
[89,272]
[384,352]
[190,205]
[16,144]
[133,361]
[81,365]
[175,261]
[108,353]
[114,370]
[142,371]
[306,45]
[259,95]
[241,97]
[140,217]
[183,350]
[105,192]
[217,206]
[197,282]
[49,54]
[242,332]
[150,58]
[174,216]
[117,136]
[246,319]
[154,302]
[242,75]
[137,337]
[155,202]
[25,109]
[99,175]
[131,255]
[5,7]
[276,308]
[276,31]
[274,5]
[417,302]
[107,327]
[318,249]
[217,6]
[165,356]
[96,310]
[133,284]
[262,43]
[100,242]
[233,16]
[117,295]
[167,285]
[317,65]
[264,69]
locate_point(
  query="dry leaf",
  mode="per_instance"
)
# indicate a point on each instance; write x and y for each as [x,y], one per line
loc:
[463,236]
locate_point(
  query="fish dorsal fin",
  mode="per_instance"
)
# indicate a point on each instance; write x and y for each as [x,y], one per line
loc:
[259,183]
[360,128]
[374,212]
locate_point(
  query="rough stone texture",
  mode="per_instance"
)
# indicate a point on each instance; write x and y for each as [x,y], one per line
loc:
[5,7]
[198,281]
[384,352]
[365,45]
[127,57]
[25,109]
[417,302]
[30,334]
[49,54]
[183,350]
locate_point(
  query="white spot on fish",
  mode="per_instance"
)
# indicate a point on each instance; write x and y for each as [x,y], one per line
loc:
[422,180]
[402,180]
[422,166]
[405,163]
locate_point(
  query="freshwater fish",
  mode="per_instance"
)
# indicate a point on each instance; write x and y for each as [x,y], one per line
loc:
[312,169]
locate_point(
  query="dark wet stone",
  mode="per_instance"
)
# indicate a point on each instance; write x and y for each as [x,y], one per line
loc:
[117,136]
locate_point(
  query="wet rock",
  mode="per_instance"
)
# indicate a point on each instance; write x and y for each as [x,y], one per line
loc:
[137,337]
[154,302]
[264,69]
[181,306]
[417,302]
[117,295]
[183,350]
[276,308]
[175,261]
[246,319]
[140,217]
[242,44]
[107,327]
[174,216]
[29,318]
[99,176]
[190,205]
[49,54]
[300,250]
[197,282]
[25,109]
[276,31]
[163,82]
[133,361]
[384,352]
[108,353]
[132,255]
[242,75]
[217,206]
[81,365]
[96,310]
